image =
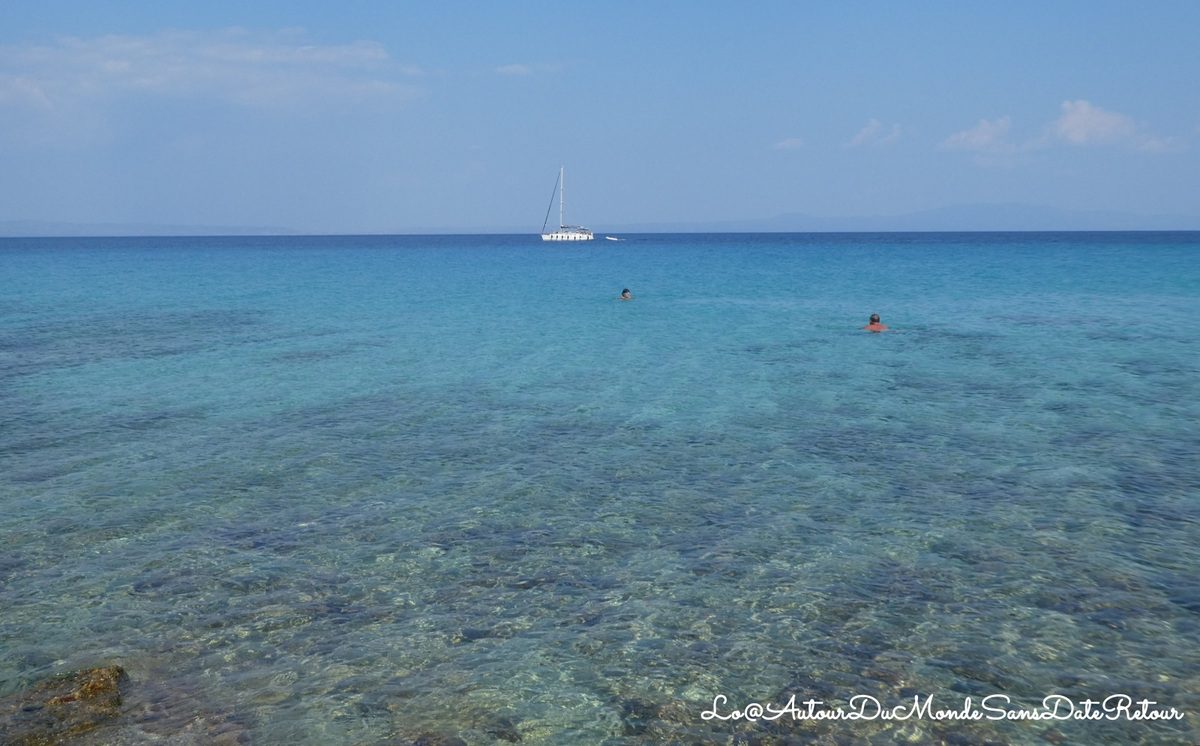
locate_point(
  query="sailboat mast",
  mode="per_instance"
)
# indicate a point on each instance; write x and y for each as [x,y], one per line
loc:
[562,196]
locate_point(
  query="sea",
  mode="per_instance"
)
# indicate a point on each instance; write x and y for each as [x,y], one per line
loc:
[448,490]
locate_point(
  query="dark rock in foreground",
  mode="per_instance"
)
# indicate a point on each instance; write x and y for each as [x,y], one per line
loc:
[62,707]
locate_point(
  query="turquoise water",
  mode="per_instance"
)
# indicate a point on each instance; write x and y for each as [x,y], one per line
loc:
[369,489]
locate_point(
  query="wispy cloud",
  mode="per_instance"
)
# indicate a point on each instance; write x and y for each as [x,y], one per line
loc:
[988,136]
[875,134]
[233,65]
[789,143]
[17,89]
[514,70]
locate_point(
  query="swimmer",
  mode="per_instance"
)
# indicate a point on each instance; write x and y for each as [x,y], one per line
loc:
[875,325]
[626,295]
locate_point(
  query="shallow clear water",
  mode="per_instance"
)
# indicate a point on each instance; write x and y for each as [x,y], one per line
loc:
[354,490]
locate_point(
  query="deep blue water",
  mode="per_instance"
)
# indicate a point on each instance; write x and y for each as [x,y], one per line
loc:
[361,489]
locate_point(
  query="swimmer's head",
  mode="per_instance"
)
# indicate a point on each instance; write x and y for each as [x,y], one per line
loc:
[874,318]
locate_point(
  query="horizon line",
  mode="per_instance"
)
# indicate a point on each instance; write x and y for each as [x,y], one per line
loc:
[420,234]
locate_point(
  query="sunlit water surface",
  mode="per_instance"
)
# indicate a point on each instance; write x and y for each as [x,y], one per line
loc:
[373,490]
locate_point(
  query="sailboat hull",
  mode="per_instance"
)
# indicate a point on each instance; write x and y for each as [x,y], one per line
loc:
[569,234]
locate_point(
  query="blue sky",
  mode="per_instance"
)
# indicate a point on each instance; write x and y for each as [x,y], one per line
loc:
[400,117]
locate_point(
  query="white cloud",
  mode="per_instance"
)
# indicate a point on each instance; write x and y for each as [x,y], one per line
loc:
[1079,124]
[515,70]
[789,143]
[875,134]
[986,136]
[1084,124]
[231,65]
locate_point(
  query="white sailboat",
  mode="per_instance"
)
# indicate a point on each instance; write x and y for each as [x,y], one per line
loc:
[565,232]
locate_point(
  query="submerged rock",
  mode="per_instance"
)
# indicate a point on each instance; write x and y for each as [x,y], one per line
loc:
[637,716]
[100,707]
[503,729]
[64,706]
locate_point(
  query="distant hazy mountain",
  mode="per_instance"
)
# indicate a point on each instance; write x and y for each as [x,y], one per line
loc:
[36,228]
[1004,217]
